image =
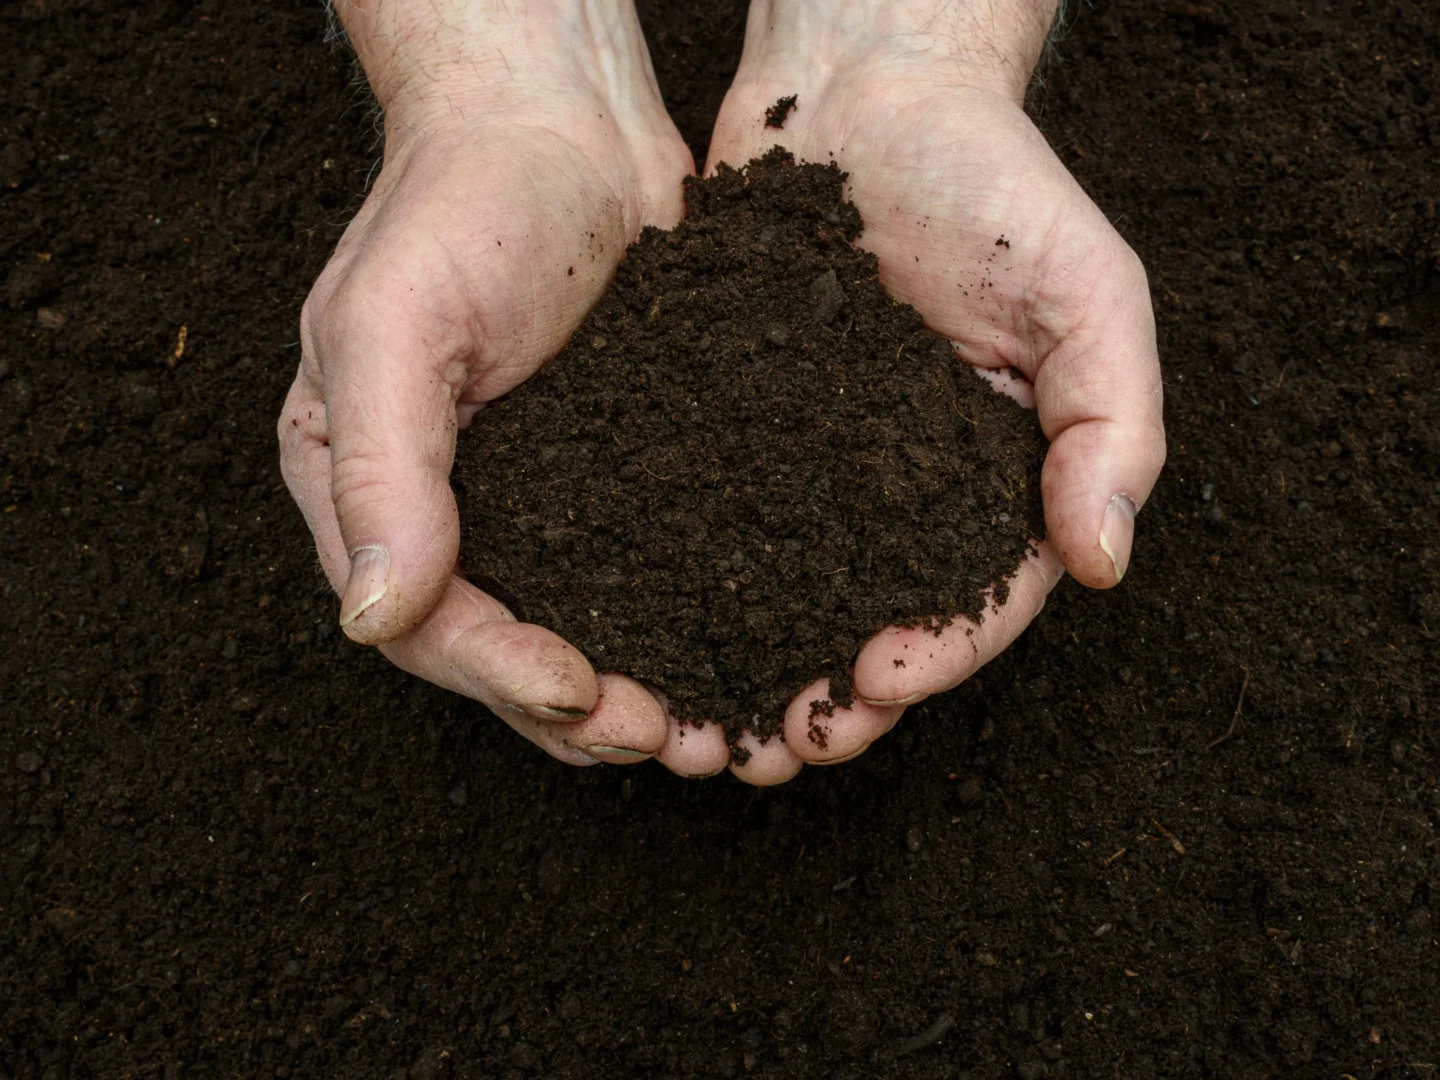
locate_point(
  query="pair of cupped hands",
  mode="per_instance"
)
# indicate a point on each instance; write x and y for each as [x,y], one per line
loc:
[525,146]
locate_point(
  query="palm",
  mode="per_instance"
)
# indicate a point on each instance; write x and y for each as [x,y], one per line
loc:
[495,244]
[946,179]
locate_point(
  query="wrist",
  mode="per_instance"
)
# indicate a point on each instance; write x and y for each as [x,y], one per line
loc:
[431,63]
[990,45]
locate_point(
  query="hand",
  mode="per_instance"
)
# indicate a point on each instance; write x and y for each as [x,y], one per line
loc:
[921,103]
[523,153]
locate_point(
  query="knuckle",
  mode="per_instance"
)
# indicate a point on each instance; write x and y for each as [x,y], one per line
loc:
[1133,266]
[307,310]
[1157,451]
[318,302]
[285,435]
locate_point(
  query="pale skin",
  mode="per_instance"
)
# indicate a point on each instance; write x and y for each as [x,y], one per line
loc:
[514,132]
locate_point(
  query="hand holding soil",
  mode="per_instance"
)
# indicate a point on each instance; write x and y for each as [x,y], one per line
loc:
[983,231]
[500,212]
[519,162]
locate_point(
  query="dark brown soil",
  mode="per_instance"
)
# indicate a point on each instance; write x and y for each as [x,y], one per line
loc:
[777,114]
[749,460]
[233,844]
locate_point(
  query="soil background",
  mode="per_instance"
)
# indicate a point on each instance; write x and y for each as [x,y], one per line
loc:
[232,844]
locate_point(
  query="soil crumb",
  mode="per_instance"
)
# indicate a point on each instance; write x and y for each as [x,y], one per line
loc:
[777,114]
[748,460]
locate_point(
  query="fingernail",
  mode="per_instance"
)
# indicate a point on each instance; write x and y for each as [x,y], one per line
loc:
[842,760]
[1117,534]
[368,582]
[886,704]
[553,712]
[617,755]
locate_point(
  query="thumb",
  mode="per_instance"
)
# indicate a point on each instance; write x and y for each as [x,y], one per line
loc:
[1100,402]
[390,419]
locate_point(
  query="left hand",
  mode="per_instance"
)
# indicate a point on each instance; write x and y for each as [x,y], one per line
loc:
[924,110]
[524,149]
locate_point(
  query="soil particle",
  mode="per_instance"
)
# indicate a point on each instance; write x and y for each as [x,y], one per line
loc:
[733,521]
[826,297]
[777,114]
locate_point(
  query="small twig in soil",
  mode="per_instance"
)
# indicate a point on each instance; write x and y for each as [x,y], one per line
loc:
[954,406]
[179,349]
[1230,731]
[1174,840]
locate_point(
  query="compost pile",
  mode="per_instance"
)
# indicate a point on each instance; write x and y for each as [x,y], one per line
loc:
[748,460]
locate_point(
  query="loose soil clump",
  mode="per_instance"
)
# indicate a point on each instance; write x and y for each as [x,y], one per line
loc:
[748,460]
[777,114]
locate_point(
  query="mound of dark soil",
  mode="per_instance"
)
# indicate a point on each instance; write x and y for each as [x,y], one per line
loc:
[748,460]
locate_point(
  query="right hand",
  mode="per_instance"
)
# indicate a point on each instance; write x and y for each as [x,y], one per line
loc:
[921,104]
[512,183]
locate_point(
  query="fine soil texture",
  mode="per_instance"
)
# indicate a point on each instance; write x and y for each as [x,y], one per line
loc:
[748,460]
[234,844]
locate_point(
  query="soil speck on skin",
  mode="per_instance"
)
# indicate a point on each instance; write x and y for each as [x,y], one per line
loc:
[777,114]
[750,460]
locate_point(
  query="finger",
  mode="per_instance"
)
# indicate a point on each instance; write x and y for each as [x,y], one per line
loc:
[541,686]
[469,642]
[831,736]
[305,467]
[1086,342]
[439,651]
[767,764]
[693,751]
[510,666]
[1100,403]
[549,736]
[622,729]
[391,376]
[902,665]
[456,648]
[626,726]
